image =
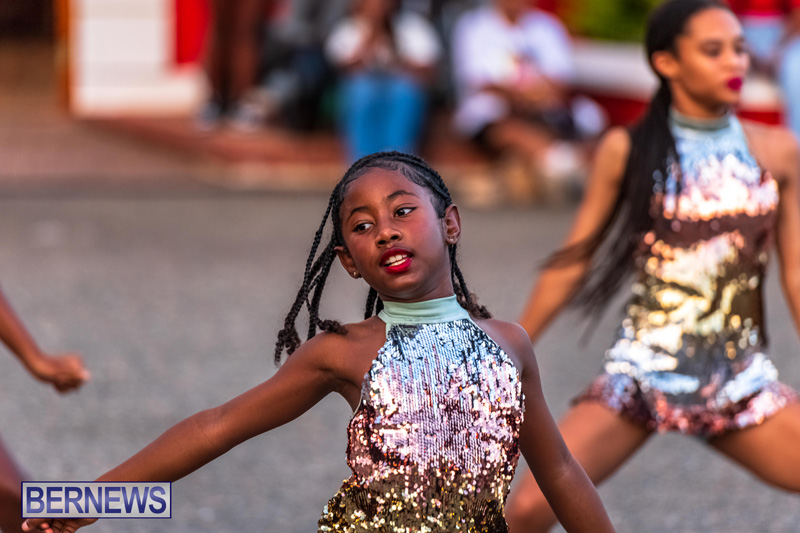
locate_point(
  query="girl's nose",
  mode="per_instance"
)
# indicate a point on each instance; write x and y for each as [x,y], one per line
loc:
[388,234]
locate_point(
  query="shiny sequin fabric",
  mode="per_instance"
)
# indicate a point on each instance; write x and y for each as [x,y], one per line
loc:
[690,354]
[434,442]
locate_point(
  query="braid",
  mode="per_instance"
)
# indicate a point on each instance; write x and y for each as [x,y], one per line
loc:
[318,267]
[315,273]
[371,298]
[324,263]
[314,321]
[465,298]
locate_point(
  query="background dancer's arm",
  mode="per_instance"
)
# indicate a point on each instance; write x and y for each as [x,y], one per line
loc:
[556,285]
[788,226]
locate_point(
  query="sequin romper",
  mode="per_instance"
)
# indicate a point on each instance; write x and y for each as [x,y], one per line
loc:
[690,354]
[433,443]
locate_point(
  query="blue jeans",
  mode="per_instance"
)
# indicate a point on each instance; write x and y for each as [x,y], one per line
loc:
[381,111]
[789,78]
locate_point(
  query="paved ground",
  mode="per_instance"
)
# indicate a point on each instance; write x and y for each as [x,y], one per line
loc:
[175,302]
[173,290]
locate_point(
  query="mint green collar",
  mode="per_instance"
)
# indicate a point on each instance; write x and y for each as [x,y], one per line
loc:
[702,124]
[427,312]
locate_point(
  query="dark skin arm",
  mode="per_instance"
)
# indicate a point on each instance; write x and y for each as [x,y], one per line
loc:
[788,231]
[64,371]
[309,375]
[568,489]
[556,285]
[778,151]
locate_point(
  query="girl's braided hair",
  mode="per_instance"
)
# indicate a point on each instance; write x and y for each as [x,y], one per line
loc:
[318,265]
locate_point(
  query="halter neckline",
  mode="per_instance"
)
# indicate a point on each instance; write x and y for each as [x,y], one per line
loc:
[427,312]
[701,124]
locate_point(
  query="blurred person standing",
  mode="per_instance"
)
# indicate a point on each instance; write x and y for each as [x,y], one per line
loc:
[232,61]
[681,212]
[386,58]
[297,77]
[513,67]
[772,30]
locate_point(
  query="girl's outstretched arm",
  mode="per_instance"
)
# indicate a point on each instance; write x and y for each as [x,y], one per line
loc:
[787,172]
[305,378]
[568,489]
[556,285]
[65,372]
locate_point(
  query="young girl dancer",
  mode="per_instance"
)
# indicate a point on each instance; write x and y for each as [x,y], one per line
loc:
[688,201]
[445,397]
[65,372]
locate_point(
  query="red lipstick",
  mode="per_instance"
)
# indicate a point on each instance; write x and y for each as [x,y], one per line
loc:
[735,84]
[396,260]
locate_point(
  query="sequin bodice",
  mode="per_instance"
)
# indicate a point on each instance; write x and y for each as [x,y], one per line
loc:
[434,442]
[695,327]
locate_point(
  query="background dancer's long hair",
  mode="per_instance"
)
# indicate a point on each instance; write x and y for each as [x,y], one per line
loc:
[652,157]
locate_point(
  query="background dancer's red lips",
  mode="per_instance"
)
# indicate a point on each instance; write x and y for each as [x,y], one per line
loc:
[735,83]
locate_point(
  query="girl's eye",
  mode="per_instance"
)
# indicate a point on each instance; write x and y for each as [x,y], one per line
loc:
[712,52]
[403,211]
[363,226]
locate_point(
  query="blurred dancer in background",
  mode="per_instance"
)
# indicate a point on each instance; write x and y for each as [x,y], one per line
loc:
[688,201]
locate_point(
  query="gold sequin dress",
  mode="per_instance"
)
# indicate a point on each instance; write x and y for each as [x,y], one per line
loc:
[690,355]
[433,443]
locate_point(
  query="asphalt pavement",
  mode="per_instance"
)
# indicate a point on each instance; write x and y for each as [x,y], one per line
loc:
[174,302]
[173,290]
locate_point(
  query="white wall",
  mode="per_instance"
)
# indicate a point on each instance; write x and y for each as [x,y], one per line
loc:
[121,60]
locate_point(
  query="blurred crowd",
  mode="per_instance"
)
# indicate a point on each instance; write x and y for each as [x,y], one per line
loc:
[499,71]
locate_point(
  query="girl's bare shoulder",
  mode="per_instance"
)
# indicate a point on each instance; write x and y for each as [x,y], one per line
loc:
[347,353]
[353,338]
[611,156]
[616,140]
[775,147]
[511,337]
[778,136]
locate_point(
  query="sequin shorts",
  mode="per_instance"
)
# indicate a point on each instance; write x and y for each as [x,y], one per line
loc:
[622,394]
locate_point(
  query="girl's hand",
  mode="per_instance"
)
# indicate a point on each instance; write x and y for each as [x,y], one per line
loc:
[64,371]
[47,525]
